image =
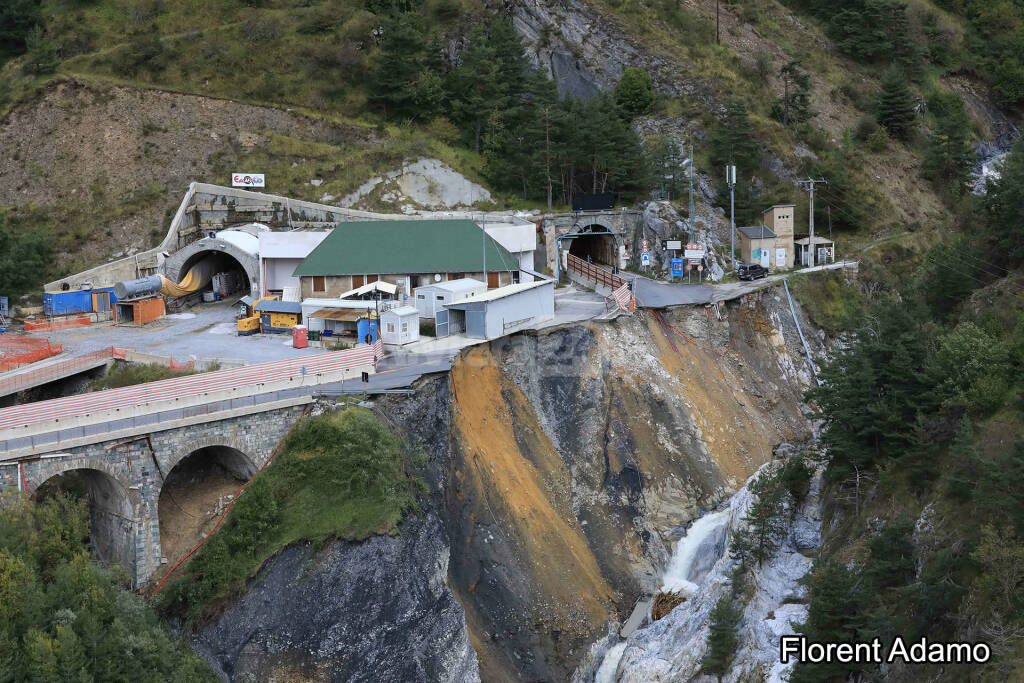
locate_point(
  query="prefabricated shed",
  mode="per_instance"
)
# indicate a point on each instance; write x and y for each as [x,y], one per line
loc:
[430,298]
[500,311]
[400,325]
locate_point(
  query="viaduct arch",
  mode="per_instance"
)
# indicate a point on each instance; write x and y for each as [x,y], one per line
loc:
[124,478]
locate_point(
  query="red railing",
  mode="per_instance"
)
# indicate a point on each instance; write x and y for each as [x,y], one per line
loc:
[62,369]
[594,272]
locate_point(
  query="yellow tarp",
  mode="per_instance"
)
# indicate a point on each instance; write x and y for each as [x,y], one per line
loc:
[198,277]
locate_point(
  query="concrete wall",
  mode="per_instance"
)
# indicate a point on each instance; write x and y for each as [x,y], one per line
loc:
[207,207]
[129,477]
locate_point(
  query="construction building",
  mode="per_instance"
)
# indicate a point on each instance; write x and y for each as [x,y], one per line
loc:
[770,243]
[407,254]
[400,325]
[431,297]
[499,312]
[280,254]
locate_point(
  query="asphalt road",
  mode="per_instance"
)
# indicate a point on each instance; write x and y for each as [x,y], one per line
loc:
[652,294]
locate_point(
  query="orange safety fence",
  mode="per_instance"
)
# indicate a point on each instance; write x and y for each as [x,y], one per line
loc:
[16,350]
[34,324]
[32,377]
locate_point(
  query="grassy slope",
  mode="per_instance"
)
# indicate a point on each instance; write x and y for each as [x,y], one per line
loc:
[339,475]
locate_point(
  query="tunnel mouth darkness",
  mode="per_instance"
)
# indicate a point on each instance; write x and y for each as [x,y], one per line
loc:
[600,248]
[195,493]
[112,525]
[223,263]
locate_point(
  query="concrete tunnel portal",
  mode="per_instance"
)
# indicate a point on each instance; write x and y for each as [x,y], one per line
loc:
[112,522]
[602,249]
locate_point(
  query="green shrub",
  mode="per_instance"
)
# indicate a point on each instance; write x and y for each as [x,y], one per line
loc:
[339,475]
[126,375]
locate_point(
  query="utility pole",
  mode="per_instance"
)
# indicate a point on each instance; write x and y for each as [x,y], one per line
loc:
[484,249]
[730,180]
[692,228]
[810,190]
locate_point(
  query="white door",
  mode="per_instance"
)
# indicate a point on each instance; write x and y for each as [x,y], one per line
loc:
[780,258]
[766,257]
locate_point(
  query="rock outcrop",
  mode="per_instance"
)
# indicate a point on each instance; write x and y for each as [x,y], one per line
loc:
[371,611]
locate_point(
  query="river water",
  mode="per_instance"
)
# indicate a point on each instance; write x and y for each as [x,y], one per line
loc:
[695,554]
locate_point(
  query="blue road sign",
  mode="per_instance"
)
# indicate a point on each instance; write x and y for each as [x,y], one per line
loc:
[677,267]
[645,259]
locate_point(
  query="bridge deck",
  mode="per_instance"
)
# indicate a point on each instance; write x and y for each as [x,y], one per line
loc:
[182,387]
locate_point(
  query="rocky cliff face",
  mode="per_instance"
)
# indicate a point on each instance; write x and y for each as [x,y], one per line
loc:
[372,611]
[671,649]
[562,467]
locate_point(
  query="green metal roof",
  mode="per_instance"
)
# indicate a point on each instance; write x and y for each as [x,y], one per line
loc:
[398,247]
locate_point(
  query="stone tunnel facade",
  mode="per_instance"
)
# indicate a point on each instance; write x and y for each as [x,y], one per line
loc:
[621,224]
[125,478]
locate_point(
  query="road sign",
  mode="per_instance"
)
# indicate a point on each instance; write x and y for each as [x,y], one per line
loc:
[248,180]
[4,310]
[693,253]
[645,259]
[688,267]
[675,245]
[677,267]
[645,245]
[700,267]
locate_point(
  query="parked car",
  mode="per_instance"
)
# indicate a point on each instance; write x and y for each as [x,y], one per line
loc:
[751,271]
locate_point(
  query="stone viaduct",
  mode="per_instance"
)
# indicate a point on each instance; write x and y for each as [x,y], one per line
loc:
[124,477]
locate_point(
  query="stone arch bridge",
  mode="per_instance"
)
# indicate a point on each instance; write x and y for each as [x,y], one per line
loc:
[124,477]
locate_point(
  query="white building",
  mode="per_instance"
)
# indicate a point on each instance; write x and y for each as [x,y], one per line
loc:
[336,315]
[400,325]
[500,311]
[519,237]
[430,298]
[281,253]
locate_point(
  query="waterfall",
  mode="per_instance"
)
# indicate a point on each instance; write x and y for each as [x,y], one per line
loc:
[606,673]
[696,553]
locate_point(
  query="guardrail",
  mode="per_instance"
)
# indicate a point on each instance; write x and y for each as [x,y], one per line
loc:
[592,271]
[62,369]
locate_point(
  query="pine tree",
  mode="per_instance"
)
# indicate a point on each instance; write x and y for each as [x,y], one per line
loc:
[833,616]
[896,110]
[398,67]
[17,19]
[72,663]
[794,106]
[722,640]
[732,141]
[43,56]
[473,86]
[949,159]
[1004,203]
[763,523]
[635,92]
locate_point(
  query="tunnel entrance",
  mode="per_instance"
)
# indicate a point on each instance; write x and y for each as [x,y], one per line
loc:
[111,522]
[195,494]
[601,249]
[226,273]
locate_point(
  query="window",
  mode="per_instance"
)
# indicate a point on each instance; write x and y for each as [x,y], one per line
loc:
[319,283]
[391,327]
[440,298]
[421,296]
[405,327]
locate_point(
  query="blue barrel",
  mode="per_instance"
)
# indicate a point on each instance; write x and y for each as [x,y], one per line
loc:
[366,326]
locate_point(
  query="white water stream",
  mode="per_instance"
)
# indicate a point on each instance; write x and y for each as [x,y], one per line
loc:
[694,555]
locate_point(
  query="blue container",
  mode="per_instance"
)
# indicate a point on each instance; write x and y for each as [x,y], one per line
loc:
[366,326]
[71,301]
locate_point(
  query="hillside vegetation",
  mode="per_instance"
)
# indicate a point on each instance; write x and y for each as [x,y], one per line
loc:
[779,96]
[339,475]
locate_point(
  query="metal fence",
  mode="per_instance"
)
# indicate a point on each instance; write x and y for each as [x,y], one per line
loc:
[54,370]
[594,272]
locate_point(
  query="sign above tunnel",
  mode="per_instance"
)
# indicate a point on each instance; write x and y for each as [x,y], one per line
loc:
[248,180]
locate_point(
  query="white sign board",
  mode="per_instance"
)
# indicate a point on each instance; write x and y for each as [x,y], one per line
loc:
[694,253]
[674,244]
[645,259]
[248,180]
